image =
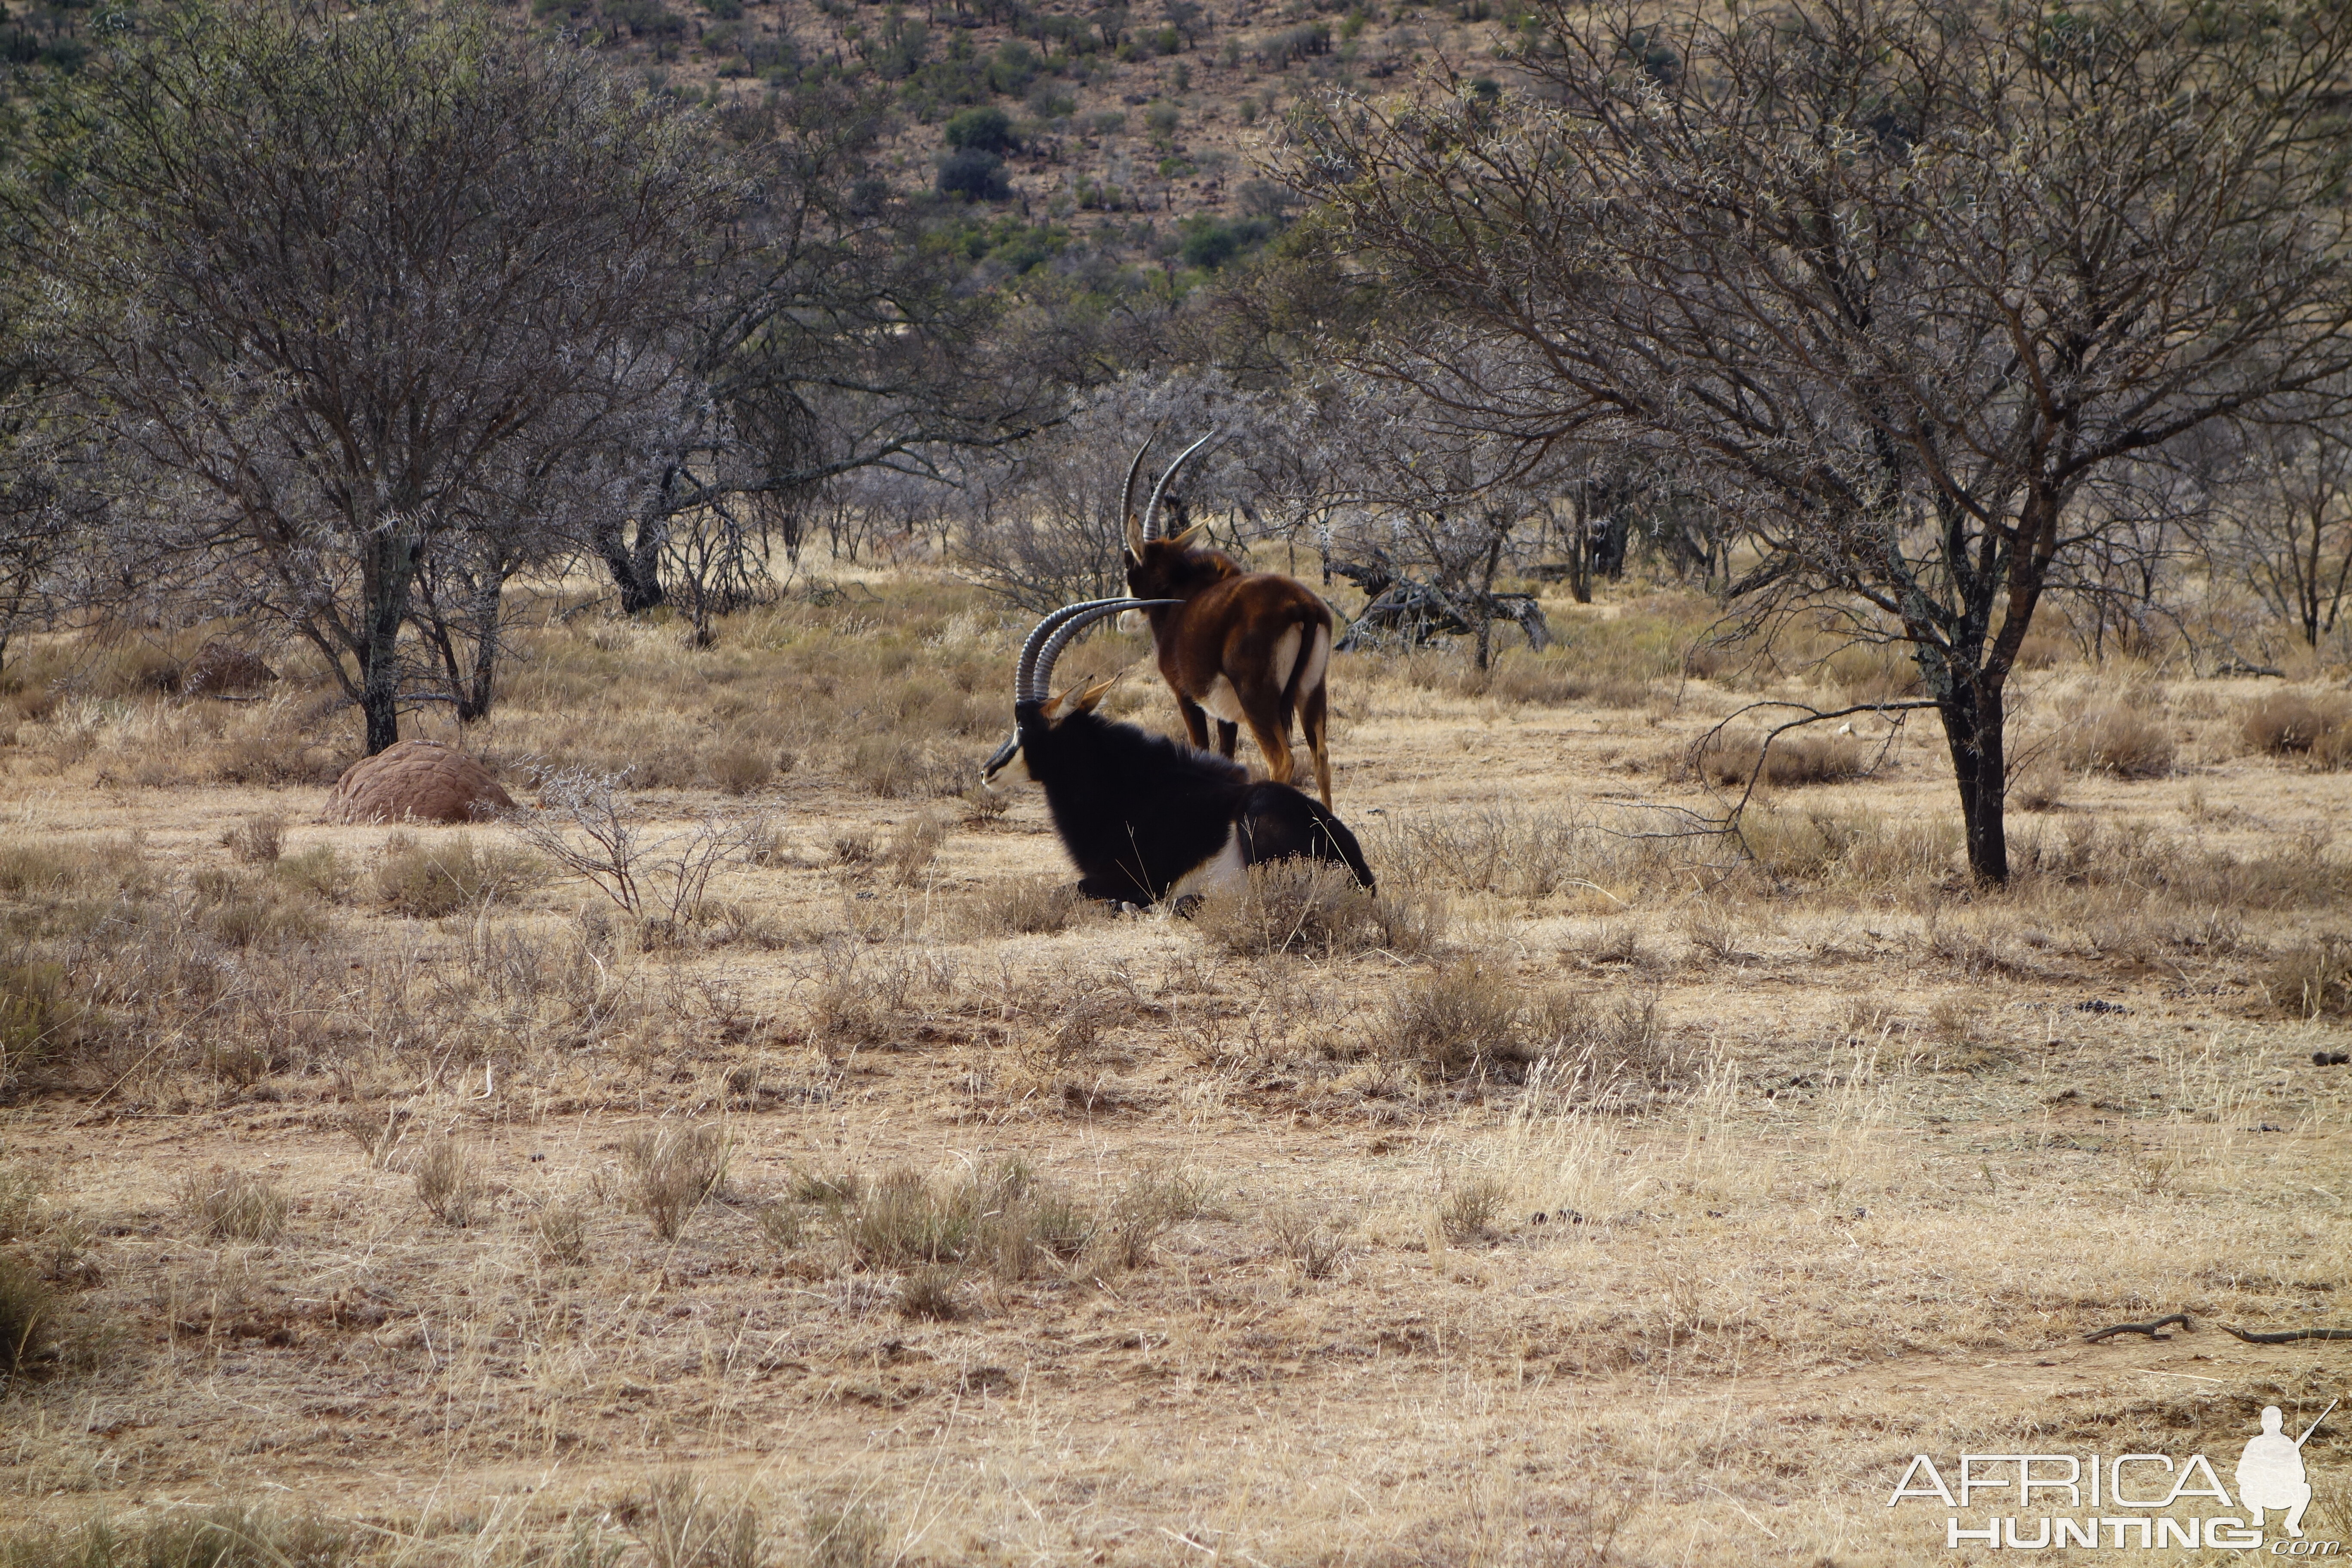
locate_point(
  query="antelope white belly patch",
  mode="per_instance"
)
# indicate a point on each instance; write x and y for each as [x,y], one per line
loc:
[1218,872]
[1223,700]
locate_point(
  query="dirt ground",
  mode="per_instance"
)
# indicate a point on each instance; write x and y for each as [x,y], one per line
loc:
[1902,1146]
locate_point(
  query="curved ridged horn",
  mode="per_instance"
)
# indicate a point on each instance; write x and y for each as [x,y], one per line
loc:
[1151,511]
[1033,680]
[1126,499]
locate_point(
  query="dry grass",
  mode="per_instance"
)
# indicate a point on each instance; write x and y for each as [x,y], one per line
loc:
[232,1205]
[1315,907]
[258,840]
[28,1309]
[673,1171]
[2313,979]
[2121,741]
[1030,906]
[2293,723]
[1461,1022]
[1735,757]
[449,1182]
[915,847]
[1688,1154]
[561,1229]
[445,874]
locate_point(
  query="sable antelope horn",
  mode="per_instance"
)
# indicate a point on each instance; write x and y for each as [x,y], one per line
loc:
[1127,502]
[1034,679]
[1151,511]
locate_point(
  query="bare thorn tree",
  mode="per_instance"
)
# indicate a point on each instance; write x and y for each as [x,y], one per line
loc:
[1897,281]
[345,285]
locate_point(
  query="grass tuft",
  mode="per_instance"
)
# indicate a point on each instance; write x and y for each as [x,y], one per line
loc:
[1732,757]
[230,1205]
[258,840]
[27,1317]
[447,1183]
[1316,907]
[672,1171]
[2313,979]
[429,880]
[2123,742]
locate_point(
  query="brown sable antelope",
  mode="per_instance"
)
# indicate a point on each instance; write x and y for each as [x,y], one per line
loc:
[1248,646]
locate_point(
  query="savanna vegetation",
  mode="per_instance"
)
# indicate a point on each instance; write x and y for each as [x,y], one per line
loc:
[1843,691]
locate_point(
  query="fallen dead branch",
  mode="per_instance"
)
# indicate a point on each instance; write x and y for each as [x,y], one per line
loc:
[2151,1330]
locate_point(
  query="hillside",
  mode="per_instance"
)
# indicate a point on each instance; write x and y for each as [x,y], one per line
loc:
[1134,132]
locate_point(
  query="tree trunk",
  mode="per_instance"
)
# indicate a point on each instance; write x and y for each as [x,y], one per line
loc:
[1487,603]
[1973,727]
[1579,547]
[386,581]
[474,695]
[635,568]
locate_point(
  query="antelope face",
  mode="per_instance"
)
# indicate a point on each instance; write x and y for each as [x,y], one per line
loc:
[1009,769]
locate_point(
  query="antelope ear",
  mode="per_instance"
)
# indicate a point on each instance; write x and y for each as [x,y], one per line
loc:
[1134,537]
[1083,699]
[1184,540]
[1052,709]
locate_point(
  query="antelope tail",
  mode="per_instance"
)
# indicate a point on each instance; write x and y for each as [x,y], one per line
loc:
[1314,656]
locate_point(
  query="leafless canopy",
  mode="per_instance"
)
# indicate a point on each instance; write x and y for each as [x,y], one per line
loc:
[1899,281]
[350,288]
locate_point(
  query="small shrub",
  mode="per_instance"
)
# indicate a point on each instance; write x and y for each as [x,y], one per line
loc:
[246,911]
[229,1206]
[1458,1023]
[1309,1243]
[815,1188]
[376,1134]
[783,1226]
[448,1184]
[2039,785]
[1152,1202]
[2123,742]
[998,1218]
[20,1203]
[894,767]
[2314,979]
[317,871]
[1468,1209]
[1622,1044]
[928,1293]
[38,1017]
[672,1171]
[228,1536]
[2288,723]
[257,840]
[974,175]
[682,1525]
[429,880]
[740,769]
[844,1537]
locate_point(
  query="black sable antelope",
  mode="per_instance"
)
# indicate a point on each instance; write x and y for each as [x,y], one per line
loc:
[1144,817]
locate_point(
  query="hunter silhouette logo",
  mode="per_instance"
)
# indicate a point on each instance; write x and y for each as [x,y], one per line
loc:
[2270,1472]
[2127,1501]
